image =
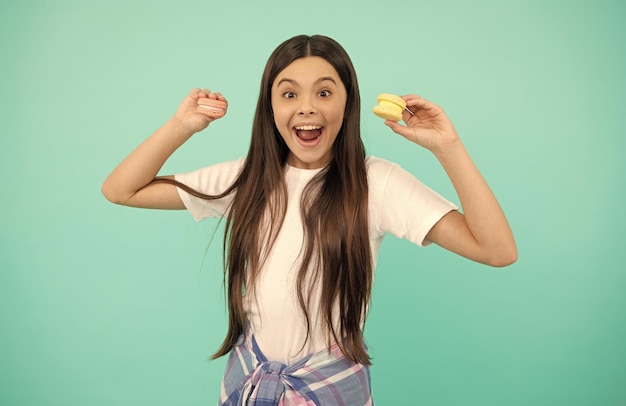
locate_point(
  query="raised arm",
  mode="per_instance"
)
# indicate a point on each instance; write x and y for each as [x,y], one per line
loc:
[481,232]
[130,183]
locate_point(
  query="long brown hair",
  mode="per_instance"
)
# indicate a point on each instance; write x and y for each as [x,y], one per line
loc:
[336,250]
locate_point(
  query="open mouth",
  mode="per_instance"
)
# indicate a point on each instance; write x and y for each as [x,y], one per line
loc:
[308,133]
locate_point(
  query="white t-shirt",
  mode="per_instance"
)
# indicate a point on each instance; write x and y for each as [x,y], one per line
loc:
[399,204]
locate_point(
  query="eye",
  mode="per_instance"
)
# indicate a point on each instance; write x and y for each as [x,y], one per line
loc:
[324,93]
[289,95]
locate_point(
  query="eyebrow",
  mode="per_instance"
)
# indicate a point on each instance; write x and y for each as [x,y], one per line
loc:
[293,82]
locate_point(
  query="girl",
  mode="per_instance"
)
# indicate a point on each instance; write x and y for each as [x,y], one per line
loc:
[306,212]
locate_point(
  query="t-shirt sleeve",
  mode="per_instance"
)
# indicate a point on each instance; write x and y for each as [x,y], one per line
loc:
[406,208]
[211,180]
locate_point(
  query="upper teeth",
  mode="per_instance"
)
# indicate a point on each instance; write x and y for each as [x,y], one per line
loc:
[308,127]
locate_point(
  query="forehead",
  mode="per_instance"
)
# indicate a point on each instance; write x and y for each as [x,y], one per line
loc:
[307,70]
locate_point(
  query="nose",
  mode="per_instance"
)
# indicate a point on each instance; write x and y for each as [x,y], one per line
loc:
[306,107]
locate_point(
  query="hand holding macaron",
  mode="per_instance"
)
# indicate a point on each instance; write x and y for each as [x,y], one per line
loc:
[426,123]
[200,108]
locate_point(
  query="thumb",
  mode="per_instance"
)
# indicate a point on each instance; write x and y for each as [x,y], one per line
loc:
[400,129]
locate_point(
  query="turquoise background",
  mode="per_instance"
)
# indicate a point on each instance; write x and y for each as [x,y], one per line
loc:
[107,305]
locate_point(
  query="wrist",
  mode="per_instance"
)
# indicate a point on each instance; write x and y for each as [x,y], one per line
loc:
[449,150]
[177,129]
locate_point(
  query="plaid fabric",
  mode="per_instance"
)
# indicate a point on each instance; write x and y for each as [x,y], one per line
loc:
[324,378]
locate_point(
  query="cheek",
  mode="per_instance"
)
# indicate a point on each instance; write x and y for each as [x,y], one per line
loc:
[339,112]
[279,114]
[281,120]
[338,118]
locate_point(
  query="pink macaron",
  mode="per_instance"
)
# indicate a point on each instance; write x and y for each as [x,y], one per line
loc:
[212,107]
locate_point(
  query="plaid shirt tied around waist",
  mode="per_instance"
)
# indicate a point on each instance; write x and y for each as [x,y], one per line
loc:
[324,378]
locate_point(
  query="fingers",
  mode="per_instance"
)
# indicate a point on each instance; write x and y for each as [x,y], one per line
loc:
[400,129]
[415,103]
[198,93]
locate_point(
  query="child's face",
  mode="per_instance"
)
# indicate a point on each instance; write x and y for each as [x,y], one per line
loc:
[309,99]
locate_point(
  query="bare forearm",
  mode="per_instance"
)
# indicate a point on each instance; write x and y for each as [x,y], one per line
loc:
[483,215]
[142,165]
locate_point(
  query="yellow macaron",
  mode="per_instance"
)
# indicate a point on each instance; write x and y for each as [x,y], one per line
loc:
[389,107]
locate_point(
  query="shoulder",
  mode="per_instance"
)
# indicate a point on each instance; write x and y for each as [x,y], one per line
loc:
[225,167]
[378,170]
[377,165]
[235,164]
[390,184]
[212,179]
[400,203]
